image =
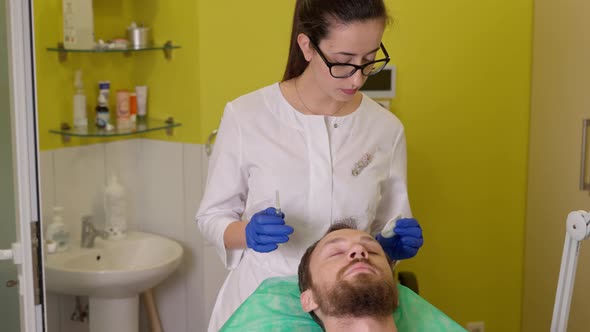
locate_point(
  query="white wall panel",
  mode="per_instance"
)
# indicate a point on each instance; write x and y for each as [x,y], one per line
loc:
[197,318]
[160,210]
[79,181]
[160,195]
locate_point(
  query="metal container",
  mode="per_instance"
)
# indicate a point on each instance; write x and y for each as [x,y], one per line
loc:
[139,37]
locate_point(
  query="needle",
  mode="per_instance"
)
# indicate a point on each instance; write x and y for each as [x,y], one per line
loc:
[277,203]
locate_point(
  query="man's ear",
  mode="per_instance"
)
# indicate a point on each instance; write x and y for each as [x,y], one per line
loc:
[305,45]
[307,302]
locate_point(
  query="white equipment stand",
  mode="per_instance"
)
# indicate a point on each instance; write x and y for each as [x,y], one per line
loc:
[577,229]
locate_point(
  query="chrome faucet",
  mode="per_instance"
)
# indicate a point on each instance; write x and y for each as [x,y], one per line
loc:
[89,233]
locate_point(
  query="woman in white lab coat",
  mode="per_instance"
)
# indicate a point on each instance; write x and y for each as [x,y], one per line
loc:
[330,152]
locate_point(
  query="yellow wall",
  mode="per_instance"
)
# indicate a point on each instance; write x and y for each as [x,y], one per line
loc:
[243,47]
[463,95]
[464,86]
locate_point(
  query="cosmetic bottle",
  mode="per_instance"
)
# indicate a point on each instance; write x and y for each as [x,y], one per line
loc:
[57,232]
[123,113]
[133,106]
[102,112]
[80,118]
[115,204]
[141,93]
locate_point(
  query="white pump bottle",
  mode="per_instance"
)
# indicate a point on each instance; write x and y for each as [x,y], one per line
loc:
[115,203]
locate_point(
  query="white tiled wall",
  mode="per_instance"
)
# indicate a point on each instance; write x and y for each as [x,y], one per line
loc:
[164,182]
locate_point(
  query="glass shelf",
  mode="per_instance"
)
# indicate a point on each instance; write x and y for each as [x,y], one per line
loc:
[63,52]
[141,127]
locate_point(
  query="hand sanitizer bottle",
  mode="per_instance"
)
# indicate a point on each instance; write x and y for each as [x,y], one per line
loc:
[57,232]
[80,118]
[115,203]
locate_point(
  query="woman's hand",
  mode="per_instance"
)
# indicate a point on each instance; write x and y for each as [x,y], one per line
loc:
[406,241]
[266,230]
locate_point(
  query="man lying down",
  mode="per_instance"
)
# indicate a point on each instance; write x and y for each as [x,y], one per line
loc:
[345,283]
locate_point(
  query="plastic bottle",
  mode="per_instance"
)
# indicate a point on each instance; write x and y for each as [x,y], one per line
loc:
[123,113]
[115,204]
[80,118]
[104,88]
[57,232]
[102,112]
[141,93]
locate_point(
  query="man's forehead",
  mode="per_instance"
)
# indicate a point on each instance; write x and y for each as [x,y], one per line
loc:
[344,235]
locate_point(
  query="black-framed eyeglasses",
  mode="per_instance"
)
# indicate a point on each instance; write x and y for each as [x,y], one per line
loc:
[344,70]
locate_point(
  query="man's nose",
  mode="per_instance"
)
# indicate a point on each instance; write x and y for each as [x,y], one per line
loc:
[358,251]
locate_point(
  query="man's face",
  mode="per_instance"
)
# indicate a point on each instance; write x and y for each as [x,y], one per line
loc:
[351,277]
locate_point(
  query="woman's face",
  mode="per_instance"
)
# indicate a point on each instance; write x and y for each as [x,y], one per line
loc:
[356,43]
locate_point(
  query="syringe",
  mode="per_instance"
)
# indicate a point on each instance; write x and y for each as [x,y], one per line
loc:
[277,203]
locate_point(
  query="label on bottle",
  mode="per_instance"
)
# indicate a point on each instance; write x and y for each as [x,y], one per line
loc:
[123,111]
[123,104]
[102,116]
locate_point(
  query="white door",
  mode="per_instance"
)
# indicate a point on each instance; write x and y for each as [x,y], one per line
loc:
[560,101]
[20,290]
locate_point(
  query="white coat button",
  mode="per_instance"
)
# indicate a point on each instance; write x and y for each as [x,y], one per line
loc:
[335,125]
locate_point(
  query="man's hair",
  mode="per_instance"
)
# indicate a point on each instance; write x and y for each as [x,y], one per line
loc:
[304,273]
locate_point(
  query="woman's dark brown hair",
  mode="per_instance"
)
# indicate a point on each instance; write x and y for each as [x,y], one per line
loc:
[315,17]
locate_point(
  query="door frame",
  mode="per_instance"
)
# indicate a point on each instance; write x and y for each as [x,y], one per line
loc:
[20,44]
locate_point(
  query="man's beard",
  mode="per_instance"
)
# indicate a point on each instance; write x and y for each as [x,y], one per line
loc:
[366,295]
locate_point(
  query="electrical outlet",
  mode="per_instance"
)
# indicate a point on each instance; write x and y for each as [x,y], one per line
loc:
[475,327]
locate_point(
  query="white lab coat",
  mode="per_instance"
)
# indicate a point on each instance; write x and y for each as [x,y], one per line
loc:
[264,145]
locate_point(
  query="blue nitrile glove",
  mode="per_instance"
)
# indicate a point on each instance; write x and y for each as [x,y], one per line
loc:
[266,230]
[406,241]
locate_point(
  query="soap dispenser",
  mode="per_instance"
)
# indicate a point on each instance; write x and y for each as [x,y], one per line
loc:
[115,203]
[80,118]
[57,232]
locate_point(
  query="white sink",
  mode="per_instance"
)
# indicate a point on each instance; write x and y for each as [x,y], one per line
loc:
[113,274]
